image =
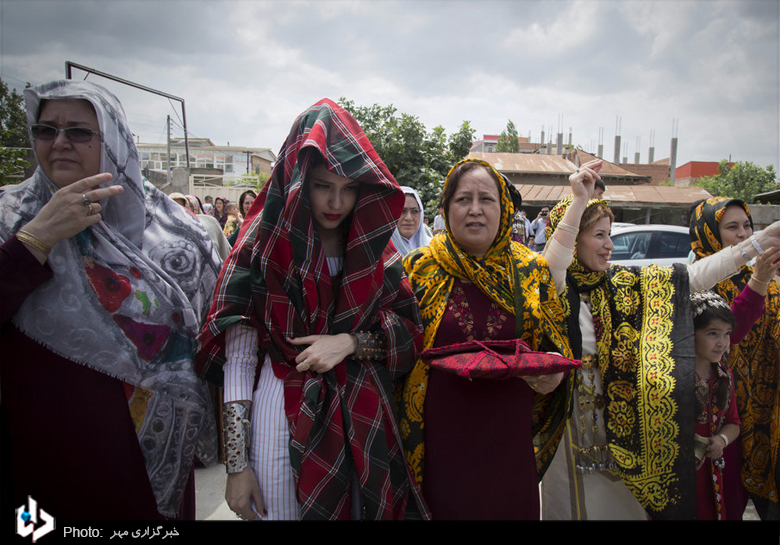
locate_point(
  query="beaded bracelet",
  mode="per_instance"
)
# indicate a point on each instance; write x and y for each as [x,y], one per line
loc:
[235,419]
[370,346]
[756,245]
[28,239]
[743,252]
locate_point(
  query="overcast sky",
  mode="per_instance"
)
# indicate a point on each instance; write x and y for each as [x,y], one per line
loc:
[706,72]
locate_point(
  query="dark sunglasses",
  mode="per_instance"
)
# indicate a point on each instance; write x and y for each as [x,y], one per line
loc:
[74,134]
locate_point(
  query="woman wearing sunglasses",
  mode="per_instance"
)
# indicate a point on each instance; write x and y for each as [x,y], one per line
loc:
[105,283]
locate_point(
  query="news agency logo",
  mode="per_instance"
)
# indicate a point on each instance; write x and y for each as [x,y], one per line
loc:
[27,519]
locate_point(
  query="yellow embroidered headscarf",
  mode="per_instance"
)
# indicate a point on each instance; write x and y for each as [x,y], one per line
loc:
[517,279]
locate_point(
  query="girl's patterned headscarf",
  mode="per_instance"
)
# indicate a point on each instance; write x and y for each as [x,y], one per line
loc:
[702,300]
[142,277]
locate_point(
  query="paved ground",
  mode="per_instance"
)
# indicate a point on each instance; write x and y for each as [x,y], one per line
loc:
[210,496]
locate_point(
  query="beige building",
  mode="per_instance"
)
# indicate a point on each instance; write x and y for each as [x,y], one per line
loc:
[220,165]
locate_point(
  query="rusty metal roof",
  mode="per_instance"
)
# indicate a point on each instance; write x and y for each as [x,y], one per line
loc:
[526,162]
[620,195]
[541,163]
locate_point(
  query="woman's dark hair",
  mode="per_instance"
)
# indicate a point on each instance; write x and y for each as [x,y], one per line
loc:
[224,207]
[714,312]
[454,180]
[242,197]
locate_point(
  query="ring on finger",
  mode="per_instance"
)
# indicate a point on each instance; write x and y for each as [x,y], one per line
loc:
[90,210]
[304,366]
[85,200]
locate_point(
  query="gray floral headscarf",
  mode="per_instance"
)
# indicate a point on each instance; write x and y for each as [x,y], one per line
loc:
[128,295]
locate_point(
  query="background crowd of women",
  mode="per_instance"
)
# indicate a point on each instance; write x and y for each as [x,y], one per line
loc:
[318,305]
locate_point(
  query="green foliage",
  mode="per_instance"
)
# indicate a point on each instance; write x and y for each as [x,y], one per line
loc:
[12,165]
[742,180]
[416,157]
[461,141]
[13,135]
[508,140]
[257,181]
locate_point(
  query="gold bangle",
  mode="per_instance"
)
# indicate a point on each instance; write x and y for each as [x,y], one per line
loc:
[28,239]
[569,228]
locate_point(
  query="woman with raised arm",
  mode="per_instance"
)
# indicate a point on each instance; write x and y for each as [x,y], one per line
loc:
[628,448]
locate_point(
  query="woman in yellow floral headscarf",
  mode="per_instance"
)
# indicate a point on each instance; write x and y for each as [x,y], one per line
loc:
[477,446]
[627,452]
[754,362]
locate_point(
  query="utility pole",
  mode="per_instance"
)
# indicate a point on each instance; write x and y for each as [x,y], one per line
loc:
[168,157]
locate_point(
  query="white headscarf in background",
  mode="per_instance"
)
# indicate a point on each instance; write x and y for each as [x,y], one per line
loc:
[128,294]
[421,237]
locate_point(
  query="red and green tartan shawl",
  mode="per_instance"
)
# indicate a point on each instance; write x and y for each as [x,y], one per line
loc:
[276,279]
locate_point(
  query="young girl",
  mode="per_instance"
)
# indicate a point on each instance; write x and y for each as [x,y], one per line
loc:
[717,419]
[233,219]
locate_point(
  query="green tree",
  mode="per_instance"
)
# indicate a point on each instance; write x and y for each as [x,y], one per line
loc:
[14,142]
[460,142]
[741,180]
[415,156]
[508,140]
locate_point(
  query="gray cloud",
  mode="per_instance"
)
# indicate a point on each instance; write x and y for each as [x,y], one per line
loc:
[246,69]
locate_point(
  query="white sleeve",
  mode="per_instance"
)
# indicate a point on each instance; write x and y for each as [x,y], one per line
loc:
[241,365]
[559,258]
[704,273]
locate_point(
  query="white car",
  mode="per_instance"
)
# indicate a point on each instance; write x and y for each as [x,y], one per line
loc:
[650,243]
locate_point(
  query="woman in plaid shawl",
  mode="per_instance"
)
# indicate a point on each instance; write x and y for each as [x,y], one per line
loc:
[313,299]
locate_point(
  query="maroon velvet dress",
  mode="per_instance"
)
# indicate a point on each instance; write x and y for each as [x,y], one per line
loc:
[712,489]
[479,458]
[68,439]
